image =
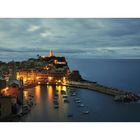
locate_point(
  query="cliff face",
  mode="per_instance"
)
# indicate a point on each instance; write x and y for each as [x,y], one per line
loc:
[75,76]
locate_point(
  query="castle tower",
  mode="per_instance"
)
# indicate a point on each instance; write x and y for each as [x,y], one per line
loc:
[51,53]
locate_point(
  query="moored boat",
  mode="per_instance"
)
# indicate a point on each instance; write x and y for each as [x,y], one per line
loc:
[85,112]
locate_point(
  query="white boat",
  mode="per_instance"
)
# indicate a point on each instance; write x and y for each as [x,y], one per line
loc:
[78,101]
[85,112]
[65,96]
[73,94]
[56,106]
[81,105]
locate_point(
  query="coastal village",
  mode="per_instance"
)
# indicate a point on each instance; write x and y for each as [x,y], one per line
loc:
[15,77]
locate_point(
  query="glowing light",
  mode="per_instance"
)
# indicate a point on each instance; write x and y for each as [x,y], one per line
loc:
[25,95]
[39,83]
[37,77]
[6,88]
[29,78]
[56,61]
[18,76]
[50,98]
[50,78]
[64,88]
[43,56]
[61,62]
[25,80]
[58,88]
[37,93]
[64,80]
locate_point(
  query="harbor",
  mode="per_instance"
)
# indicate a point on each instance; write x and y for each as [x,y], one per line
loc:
[119,95]
[50,73]
[51,106]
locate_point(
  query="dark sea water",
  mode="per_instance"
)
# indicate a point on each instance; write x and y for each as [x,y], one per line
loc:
[122,74]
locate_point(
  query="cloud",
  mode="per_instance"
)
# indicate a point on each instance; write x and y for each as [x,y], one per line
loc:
[94,38]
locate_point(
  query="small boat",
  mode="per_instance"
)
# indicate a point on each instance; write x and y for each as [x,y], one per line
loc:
[73,94]
[72,90]
[56,97]
[66,101]
[56,106]
[70,115]
[62,90]
[65,96]
[85,112]
[55,102]
[81,105]
[78,101]
[63,93]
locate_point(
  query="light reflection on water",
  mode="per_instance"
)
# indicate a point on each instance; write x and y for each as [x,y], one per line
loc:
[49,98]
[100,106]
[38,93]
[25,94]
[44,99]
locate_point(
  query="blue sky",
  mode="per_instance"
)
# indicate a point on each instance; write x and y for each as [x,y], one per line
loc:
[83,38]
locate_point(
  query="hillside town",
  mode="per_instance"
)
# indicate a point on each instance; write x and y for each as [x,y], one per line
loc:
[17,76]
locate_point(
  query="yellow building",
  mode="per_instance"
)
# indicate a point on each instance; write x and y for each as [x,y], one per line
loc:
[26,76]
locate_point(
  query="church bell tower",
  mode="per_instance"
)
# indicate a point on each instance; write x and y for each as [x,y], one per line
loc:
[51,53]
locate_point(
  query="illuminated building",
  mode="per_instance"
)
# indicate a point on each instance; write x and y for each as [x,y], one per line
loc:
[27,76]
[43,70]
[51,53]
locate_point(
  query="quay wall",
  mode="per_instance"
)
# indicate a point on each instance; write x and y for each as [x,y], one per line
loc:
[97,87]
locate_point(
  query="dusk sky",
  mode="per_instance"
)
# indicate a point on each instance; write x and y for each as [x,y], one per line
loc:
[84,38]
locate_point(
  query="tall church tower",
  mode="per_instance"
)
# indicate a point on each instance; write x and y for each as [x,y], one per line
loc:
[51,53]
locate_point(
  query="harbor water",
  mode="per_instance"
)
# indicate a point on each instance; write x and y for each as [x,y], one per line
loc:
[123,74]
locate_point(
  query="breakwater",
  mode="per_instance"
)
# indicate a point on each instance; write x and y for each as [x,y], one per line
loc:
[119,95]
